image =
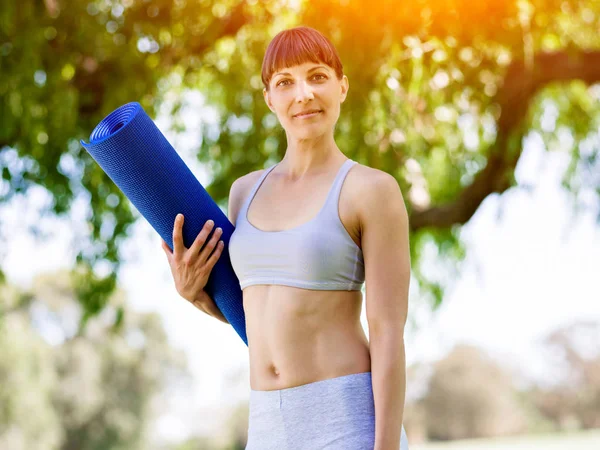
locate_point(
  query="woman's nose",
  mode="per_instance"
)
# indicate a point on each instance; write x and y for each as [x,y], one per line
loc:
[303,92]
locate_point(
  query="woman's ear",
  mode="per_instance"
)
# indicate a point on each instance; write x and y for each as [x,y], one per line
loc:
[344,85]
[267,98]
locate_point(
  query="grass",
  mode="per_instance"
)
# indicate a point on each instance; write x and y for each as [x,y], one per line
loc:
[582,440]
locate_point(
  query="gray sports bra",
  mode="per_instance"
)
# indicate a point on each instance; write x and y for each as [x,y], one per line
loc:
[319,254]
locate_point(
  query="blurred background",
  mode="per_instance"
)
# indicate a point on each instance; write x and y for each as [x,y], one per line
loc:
[486,113]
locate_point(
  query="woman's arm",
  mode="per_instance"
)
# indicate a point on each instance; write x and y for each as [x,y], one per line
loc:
[209,306]
[385,244]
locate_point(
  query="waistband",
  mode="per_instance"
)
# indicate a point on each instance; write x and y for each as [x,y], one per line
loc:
[321,387]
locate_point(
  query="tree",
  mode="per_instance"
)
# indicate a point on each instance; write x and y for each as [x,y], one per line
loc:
[442,96]
[27,377]
[62,69]
[573,399]
[471,396]
[64,387]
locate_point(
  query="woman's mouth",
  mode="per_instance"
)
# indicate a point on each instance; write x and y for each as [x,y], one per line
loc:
[307,115]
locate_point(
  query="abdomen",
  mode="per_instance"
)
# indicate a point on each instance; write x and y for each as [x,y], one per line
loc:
[298,336]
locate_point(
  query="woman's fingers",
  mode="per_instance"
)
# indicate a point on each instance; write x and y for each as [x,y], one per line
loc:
[215,256]
[200,239]
[209,247]
[178,247]
[193,253]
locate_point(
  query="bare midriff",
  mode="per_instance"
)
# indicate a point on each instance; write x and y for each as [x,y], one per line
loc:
[299,336]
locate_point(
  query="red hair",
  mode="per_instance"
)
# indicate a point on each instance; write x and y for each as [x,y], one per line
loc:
[297,46]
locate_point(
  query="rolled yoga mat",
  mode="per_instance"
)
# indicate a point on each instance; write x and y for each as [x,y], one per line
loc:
[138,158]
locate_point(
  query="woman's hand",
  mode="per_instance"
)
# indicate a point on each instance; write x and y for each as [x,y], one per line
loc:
[191,267]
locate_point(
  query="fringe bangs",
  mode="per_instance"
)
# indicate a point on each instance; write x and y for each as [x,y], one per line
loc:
[298,46]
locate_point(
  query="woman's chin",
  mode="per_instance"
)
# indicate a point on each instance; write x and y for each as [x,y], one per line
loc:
[307,133]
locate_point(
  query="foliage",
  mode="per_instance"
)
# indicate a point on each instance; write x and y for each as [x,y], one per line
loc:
[573,400]
[471,396]
[470,393]
[64,388]
[441,97]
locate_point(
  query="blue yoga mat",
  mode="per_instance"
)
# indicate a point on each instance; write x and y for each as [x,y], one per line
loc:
[133,152]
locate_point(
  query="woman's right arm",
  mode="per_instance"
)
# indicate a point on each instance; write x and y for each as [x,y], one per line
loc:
[205,303]
[191,267]
[191,270]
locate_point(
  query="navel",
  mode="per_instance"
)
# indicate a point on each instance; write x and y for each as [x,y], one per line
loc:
[275,370]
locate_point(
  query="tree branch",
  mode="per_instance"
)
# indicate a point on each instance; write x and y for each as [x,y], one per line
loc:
[519,86]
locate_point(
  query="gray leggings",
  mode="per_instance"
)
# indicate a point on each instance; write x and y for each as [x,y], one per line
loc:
[333,414]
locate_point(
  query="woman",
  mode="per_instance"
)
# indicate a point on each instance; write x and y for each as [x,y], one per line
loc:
[309,231]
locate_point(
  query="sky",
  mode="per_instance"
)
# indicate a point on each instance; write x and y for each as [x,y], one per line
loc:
[529,269]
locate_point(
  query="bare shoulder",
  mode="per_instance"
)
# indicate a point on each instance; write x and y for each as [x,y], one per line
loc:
[372,190]
[238,192]
[368,183]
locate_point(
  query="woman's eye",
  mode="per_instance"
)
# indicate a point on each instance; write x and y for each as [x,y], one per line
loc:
[317,77]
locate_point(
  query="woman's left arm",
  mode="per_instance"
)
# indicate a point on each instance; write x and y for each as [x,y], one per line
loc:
[385,245]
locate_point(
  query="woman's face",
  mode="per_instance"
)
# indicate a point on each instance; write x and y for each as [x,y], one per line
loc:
[302,89]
